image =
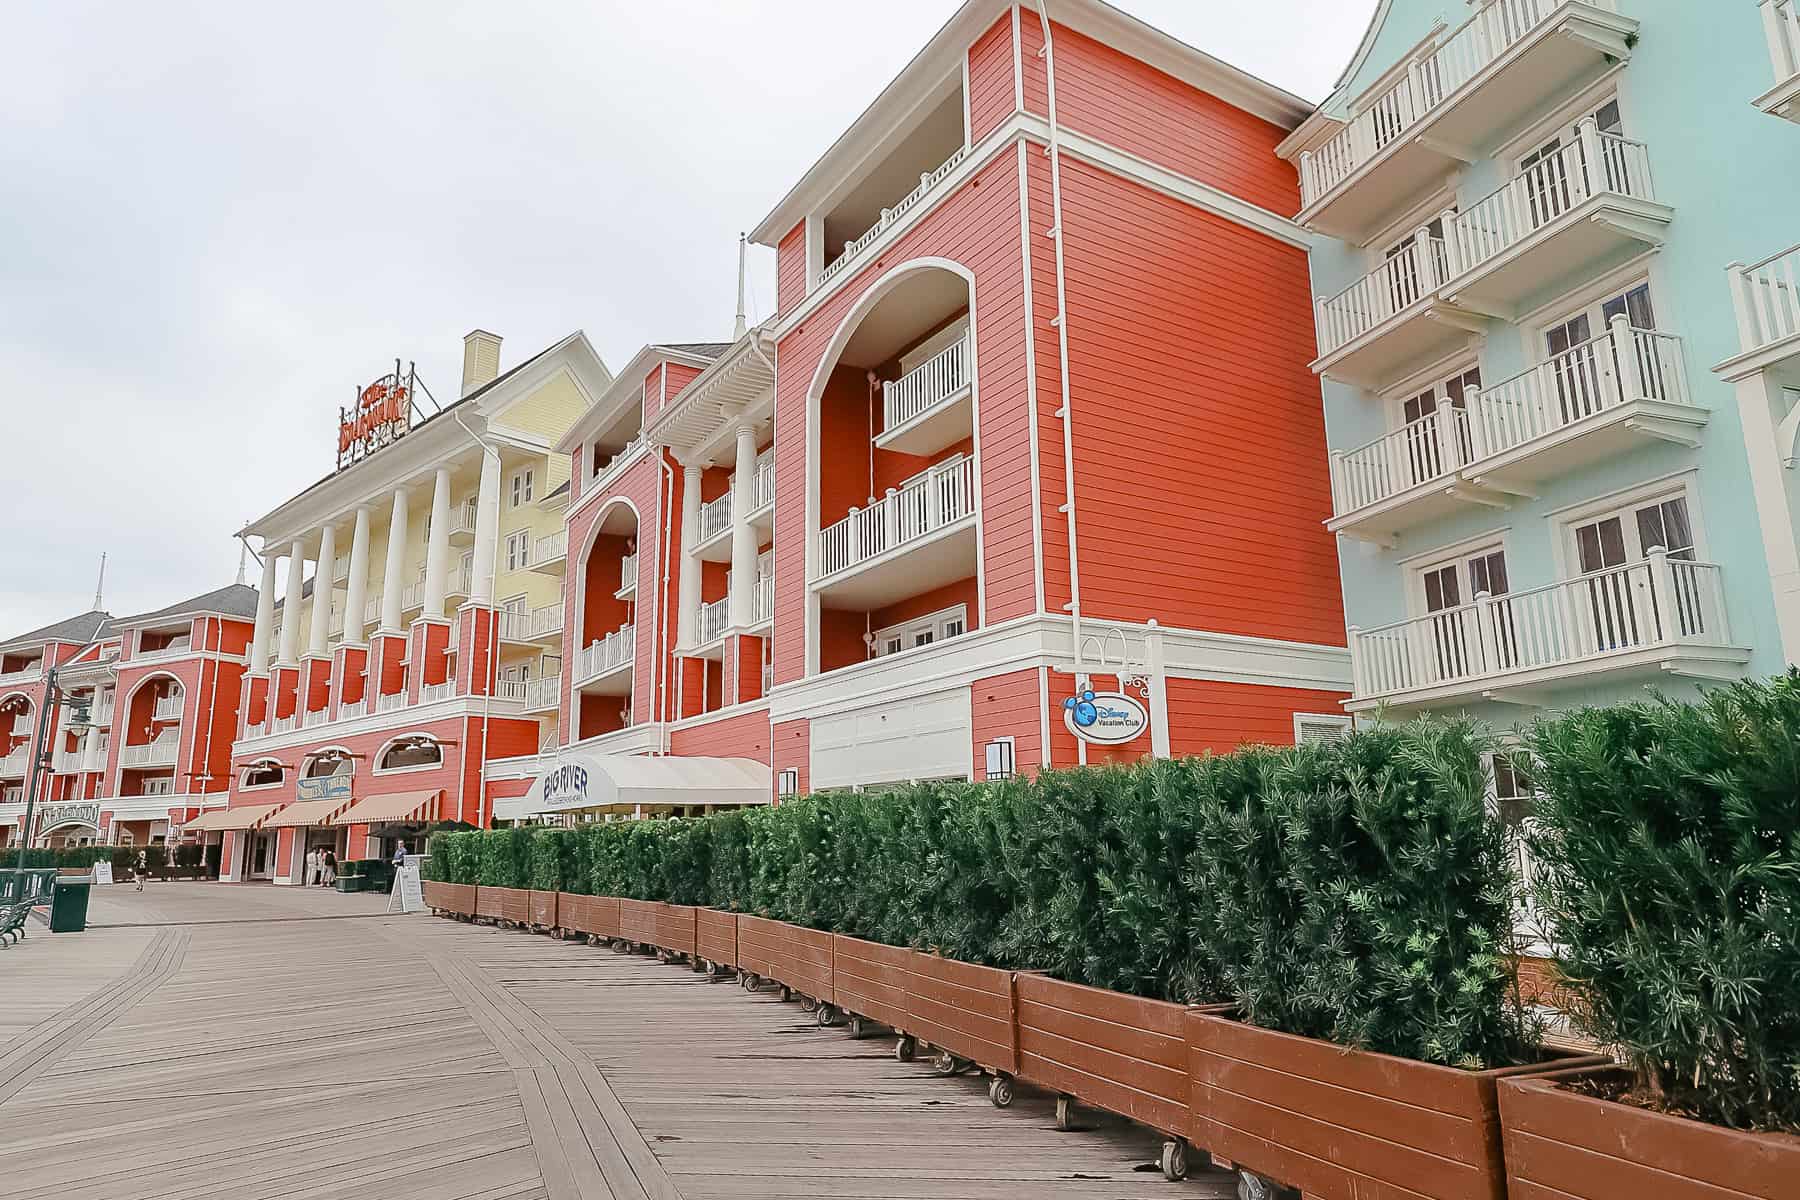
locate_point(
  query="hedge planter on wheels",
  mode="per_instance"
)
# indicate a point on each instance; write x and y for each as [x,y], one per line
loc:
[868,984]
[596,916]
[762,943]
[965,1011]
[1342,1124]
[1573,1145]
[637,922]
[1121,1053]
[797,958]
[454,899]
[543,909]
[508,906]
[674,929]
[716,938]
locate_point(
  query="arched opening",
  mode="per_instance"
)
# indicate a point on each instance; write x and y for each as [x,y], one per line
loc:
[607,629]
[266,772]
[152,736]
[16,719]
[328,763]
[410,752]
[894,491]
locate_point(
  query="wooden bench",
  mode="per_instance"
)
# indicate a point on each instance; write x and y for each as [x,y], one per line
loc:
[12,921]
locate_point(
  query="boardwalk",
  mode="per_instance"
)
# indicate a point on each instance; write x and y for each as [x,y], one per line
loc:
[218,1041]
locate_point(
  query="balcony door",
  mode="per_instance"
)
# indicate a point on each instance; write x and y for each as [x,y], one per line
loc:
[1404,273]
[1426,456]
[1554,182]
[1452,621]
[1618,592]
[1577,361]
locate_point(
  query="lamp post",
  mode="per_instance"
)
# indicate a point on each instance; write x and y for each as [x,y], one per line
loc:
[40,751]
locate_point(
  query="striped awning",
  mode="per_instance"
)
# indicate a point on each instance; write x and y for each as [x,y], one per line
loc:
[393,808]
[241,819]
[309,812]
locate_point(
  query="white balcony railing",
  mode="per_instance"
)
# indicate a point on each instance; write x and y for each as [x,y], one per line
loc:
[350,712]
[313,718]
[762,599]
[714,617]
[550,547]
[1490,32]
[609,654]
[941,496]
[927,181]
[510,689]
[176,647]
[15,764]
[412,596]
[1766,298]
[544,693]
[1593,164]
[930,383]
[1431,448]
[432,693]
[628,571]
[529,626]
[168,708]
[605,471]
[103,711]
[765,480]
[335,624]
[258,730]
[340,569]
[463,518]
[93,757]
[390,702]
[1412,274]
[159,752]
[1659,602]
[1781,22]
[456,583]
[65,762]
[715,516]
[25,674]
[281,725]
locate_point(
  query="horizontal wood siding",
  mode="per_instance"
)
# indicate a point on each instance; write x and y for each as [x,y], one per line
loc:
[1122,1053]
[715,936]
[1198,423]
[746,735]
[963,1008]
[869,979]
[790,268]
[1007,706]
[1219,715]
[991,91]
[793,748]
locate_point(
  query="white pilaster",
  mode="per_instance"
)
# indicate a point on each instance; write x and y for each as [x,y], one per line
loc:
[323,590]
[743,533]
[487,528]
[393,579]
[265,615]
[1768,481]
[290,608]
[1156,666]
[688,624]
[356,597]
[437,550]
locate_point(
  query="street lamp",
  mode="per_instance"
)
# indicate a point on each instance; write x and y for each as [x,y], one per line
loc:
[79,719]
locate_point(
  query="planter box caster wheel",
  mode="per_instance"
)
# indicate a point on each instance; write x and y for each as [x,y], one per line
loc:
[947,1064]
[828,1016]
[858,1027]
[1175,1160]
[1065,1113]
[808,1004]
[787,993]
[906,1049]
[749,982]
[1251,1186]
[1000,1093]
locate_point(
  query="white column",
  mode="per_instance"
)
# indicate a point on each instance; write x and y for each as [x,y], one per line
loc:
[356,597]
[743,533]
[437,550]
[265,615]
[290,609]
[323,590]
[1761,419]
[688,623]
[392,581]
[1156,667]
[487,528]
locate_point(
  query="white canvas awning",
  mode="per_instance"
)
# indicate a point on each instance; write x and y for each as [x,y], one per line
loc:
[627,783]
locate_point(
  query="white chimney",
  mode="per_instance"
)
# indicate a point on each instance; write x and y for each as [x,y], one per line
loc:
[481,359]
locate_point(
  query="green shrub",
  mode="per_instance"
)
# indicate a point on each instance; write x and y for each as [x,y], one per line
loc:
[549,857]
[1667,852]
[728,866]
[505,857]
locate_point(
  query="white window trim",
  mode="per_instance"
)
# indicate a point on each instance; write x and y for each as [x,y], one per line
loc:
[1598,93]
[1407,224]
[521,486]
[517,540]
[1588,300]
[1012,753]
[1566,520]
[933,620]
[375,767]
[1459,556]
[1443,372]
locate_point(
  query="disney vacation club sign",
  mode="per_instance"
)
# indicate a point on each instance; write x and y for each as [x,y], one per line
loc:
[1105,718]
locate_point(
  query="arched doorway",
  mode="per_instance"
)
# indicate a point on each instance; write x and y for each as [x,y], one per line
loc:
[606,626]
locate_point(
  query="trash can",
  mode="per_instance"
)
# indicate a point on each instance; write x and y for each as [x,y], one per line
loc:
[69,903]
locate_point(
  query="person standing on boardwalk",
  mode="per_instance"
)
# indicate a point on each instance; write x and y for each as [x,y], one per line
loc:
[140,868]
[311,875]
[327,868]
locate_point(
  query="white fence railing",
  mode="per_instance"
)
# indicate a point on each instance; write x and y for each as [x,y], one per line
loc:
[529,626]
[390,702]
[930,383]
[543,693]
[432,693]
[509,689]
[628,571]
[463,517]
[762,599]
[350,712]
[65,762]
[1593,164]
[714,617]
[1431,448]
[313,718]
[23,675]
[1622,366]
[927,181]
[1429,82]
[1661,601]
[287,724]
[1766,298]
[168,708]
[93,757]
[15,764]
[550,547]
[715,516]
[1781,22]
[159,752]
[340,569]
[765,480]
[944,494]
[258,730]
[1410,275]
[608,654]
[175,648]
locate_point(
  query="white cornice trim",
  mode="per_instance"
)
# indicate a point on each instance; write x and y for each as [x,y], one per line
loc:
[454,709]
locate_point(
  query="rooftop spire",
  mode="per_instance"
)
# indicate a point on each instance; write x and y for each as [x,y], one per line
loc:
[100,584]
[243,552]
[738,332]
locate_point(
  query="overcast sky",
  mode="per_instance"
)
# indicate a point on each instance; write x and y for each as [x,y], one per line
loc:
[217,219]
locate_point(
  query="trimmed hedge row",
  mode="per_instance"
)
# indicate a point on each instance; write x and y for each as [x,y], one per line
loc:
[1358,892]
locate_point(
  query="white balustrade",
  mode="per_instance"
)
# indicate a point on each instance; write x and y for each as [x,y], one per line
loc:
[1781,23]
[258,730]
[714,617]
[16,763]
[340,569]
[25,674]
[509,689]
[433,693]
[12,795]
[715,516]
[372,614]
[927,182]
[390,702]
[543,693]
[930,383]
[462,518]
[335,624]
[350,712]
[176,647]
[943,495]
[1431,448]
[1428,84]
[610,653]
[604,472]
[280,725]
[529,626]
[550,547]
[93,758]
[314,718]
[765,480]
[65,762]
[458,582]
[1409,276]
[1659,602]
[628,572]
[168,708]
[762,599]
[1766,298]
[103,712]
[1622,366]
[160,751]
[1593,164]
[412,596]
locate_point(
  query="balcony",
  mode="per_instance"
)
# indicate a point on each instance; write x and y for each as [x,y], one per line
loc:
[1565,218]
[12,795]
[1392,318]
[351,712]
[93,757]
[931,407]
[462,522]
[1483,79]
[1660,615]
[543,695]
[175,648]
[1781,22]
[259,730]
[762,600]
[1766,299]
[340,569]
[335,623]
[1595,401]
[605,666]
[715,617]
[628,573]
[713,539]
[456,583]
[16,764]
[168,708]
[437,693]
[538,625]
[549,552]
[763,497]
[510,689]
[314,718]
[66,762]
[103,711]
[853,249]
[158,752]
[390,702]
[26,674]
[281,725]
[917,537]
[606,472]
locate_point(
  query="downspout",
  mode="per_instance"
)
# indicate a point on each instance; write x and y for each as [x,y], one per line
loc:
[659,670]
[487,701]
[1067,412]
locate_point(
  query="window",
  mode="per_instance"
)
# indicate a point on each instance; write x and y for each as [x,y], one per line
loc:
[1449,589]
[262,774]
[1626,537]
[414,751]
[522,482]
[1000,760]
[161,786]
[922,631]
[1619,594]
[518,550]
[327,763]
[1425,458]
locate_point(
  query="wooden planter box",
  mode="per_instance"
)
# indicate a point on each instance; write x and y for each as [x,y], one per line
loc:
[805,965]
[598,915]
[1342,1124]
[454,898]
[543,909]
[716,936]
[504,904]
[674,928]
[1561,1144]
[637,921]
[964,1009]
[761,945]
[1121,1053]
[869,979]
